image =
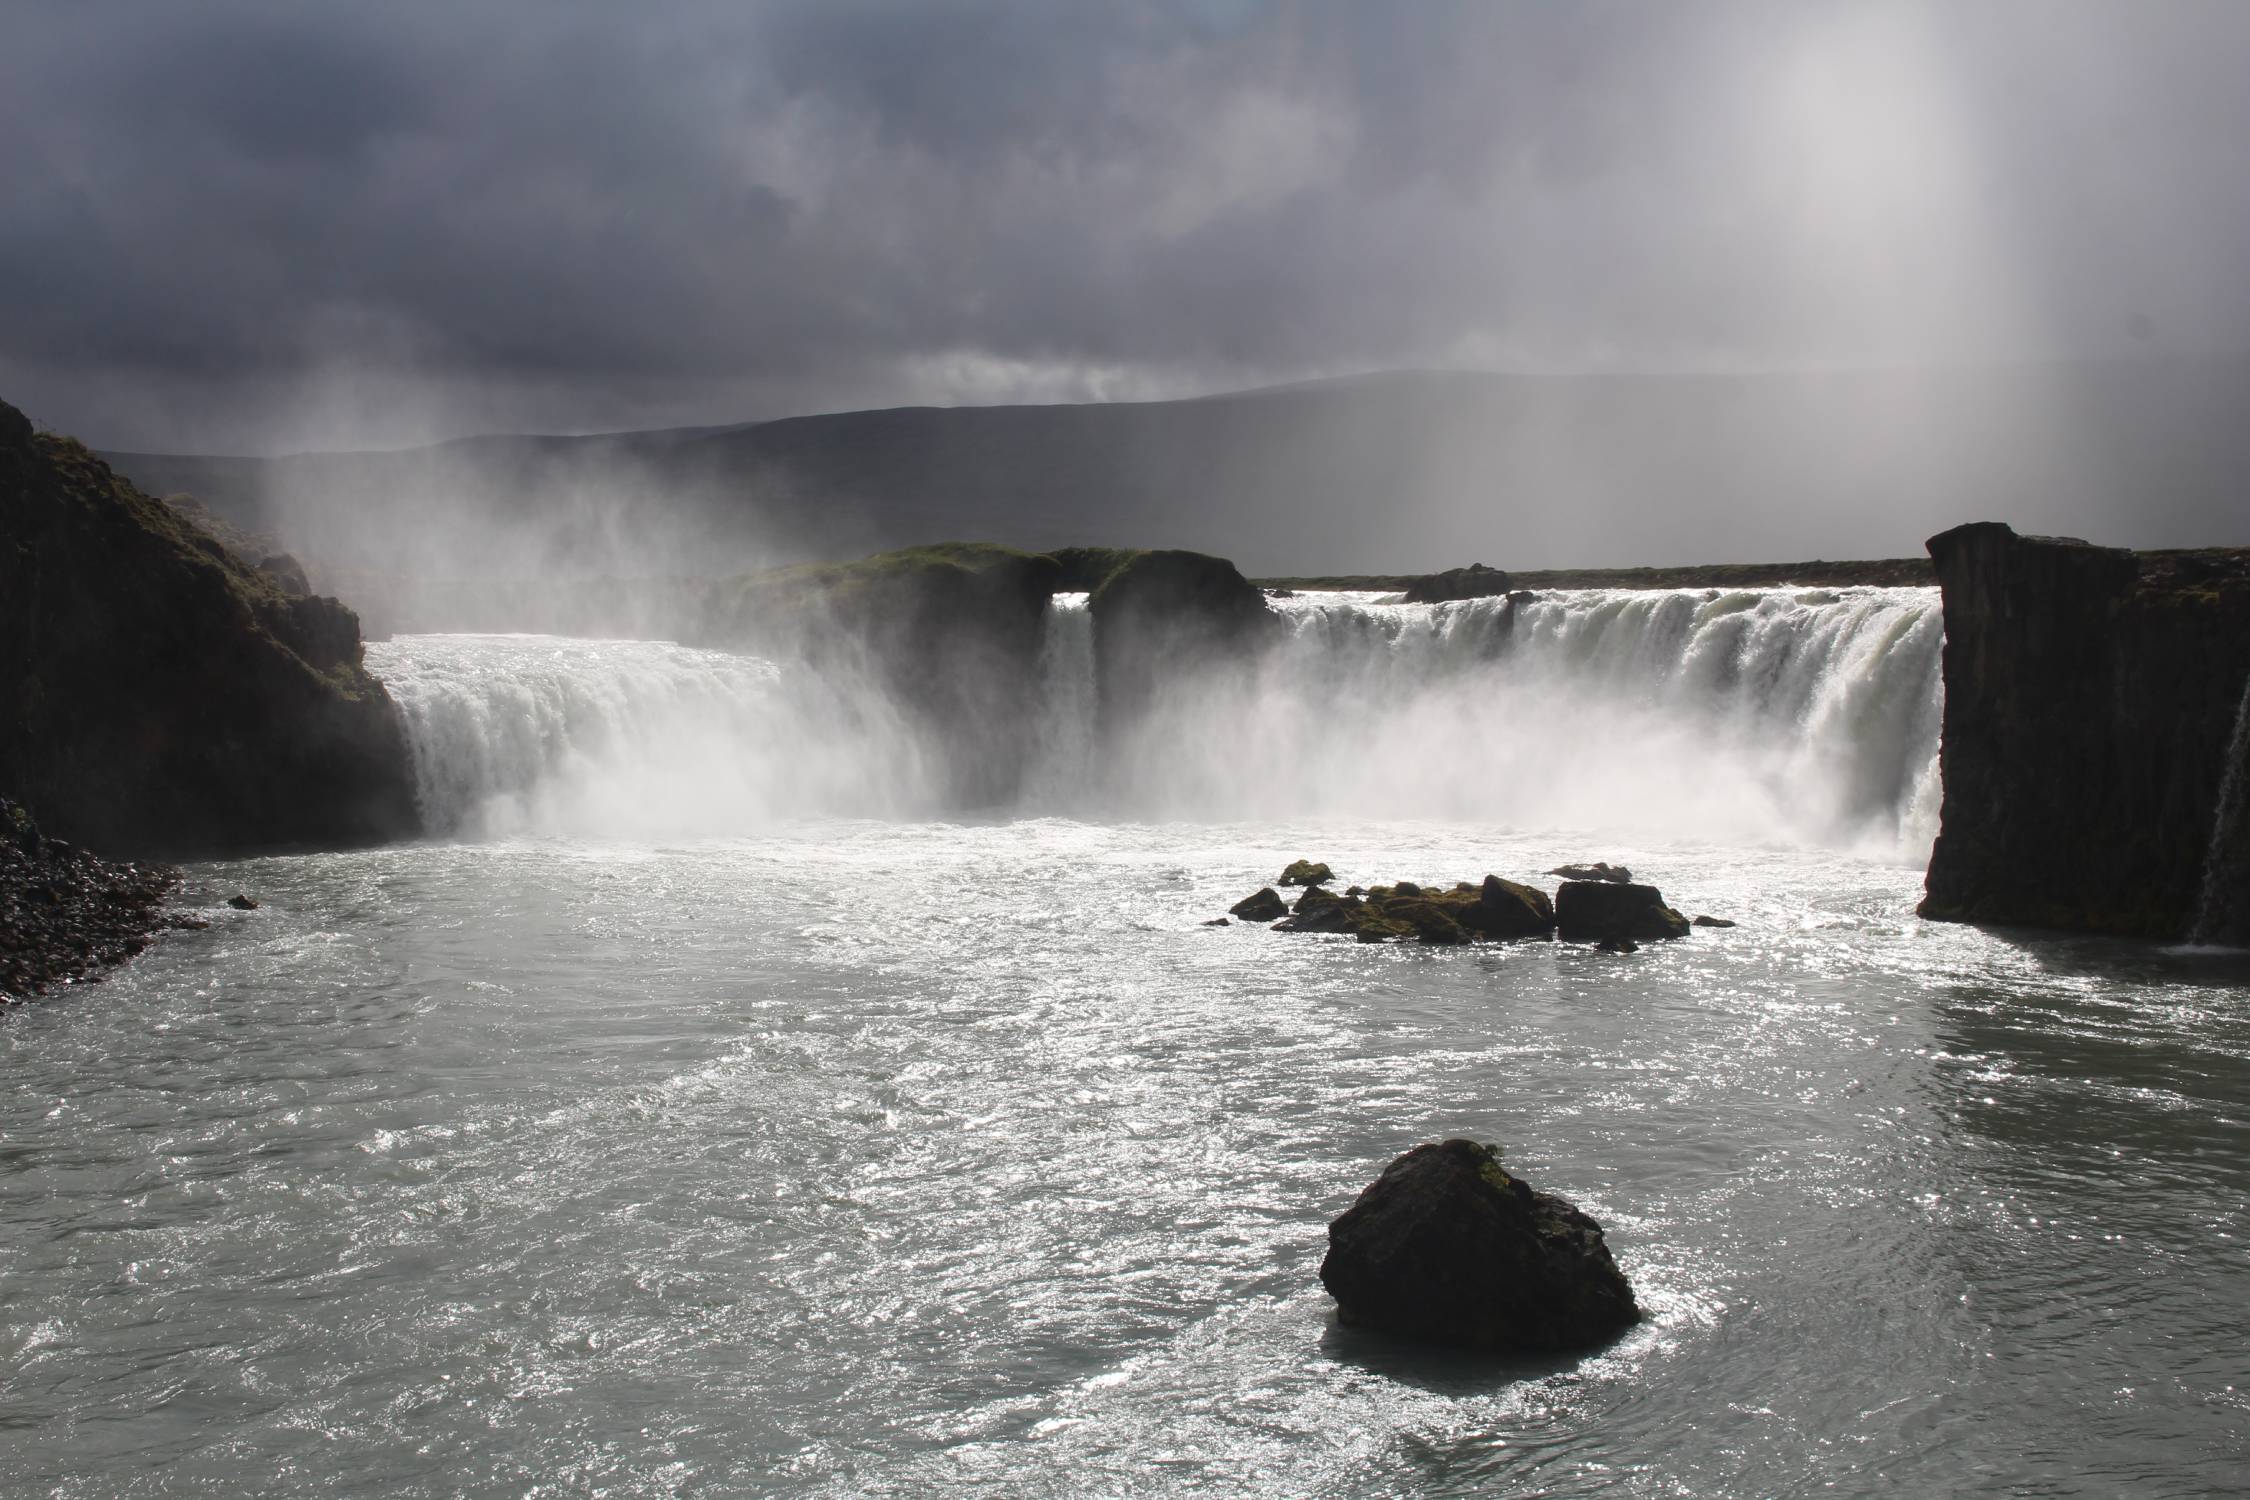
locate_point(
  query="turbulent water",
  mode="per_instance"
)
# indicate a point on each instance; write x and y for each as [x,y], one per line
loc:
[705,1119]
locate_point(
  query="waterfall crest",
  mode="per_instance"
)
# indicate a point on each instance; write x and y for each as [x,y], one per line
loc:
[1751,716]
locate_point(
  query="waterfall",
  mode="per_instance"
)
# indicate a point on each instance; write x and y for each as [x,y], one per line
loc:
[1751,716]
[547,735]
[1745,717]
[1062,756]
[2222,909]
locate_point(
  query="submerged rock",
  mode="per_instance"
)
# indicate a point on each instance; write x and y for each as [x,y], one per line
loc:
[242,903]
[1616,874]
[1265,905]
[1447,1247]
[1618,945]
[1709,921]
[1219,922]
[1305,872]
[1592,910]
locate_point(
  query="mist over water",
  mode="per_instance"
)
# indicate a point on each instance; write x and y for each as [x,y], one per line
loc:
[1759,717]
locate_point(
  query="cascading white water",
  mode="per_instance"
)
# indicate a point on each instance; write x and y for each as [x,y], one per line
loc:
[1753,716]
[548,735]
[1062,752]
[2222,909]
[1772,716]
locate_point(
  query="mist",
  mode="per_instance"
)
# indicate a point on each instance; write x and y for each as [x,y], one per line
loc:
[267,229]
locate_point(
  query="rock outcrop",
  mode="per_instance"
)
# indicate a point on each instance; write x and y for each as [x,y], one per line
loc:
[951,634]
[1476,581]
[1305,872]
[1171,619]
[1599,870]
[2090,699]
[159,695]
[1495,910]
[1449,1248]
[1264,905]
[1593,911]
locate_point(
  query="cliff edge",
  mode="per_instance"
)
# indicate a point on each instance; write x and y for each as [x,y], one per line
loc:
[160,696]
[2091,699]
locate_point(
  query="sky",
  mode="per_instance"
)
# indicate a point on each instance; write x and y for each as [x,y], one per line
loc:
[250,227]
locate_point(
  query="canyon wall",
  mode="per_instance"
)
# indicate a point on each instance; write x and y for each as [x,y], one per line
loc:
[160,695]
[2091,698]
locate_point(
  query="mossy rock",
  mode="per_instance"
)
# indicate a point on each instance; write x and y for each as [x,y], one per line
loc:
[1265,905]
[1432,921]
[1305,872]
[1505,909]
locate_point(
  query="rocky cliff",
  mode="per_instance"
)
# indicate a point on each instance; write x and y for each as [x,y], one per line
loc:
[950,633]
[161,696]
[1171,619]
[2091,696]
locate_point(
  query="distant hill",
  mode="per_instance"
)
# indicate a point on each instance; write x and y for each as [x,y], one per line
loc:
[1377,474]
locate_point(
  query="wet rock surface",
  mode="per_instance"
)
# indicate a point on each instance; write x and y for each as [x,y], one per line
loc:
[65,914]
[1306,872]
[2091,695]
[1616,914]
[1263,905]
[1600,910]
[1599,870]
[1449,1248]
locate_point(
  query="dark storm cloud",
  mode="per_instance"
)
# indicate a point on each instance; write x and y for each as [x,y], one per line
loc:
[570,215]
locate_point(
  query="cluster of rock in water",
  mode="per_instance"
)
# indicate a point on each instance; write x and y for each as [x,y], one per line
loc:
[1597,903]
[1447,1247]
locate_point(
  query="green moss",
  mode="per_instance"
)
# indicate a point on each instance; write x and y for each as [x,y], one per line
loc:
[1086,569]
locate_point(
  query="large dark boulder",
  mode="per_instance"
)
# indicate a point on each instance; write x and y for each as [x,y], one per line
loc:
[1505,909]
[160,695]
[2091,696]
[1263,905]
[1476,581]
[1447,1247]
[1589,911]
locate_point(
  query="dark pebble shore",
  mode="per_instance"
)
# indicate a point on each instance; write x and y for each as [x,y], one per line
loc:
[66,914]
